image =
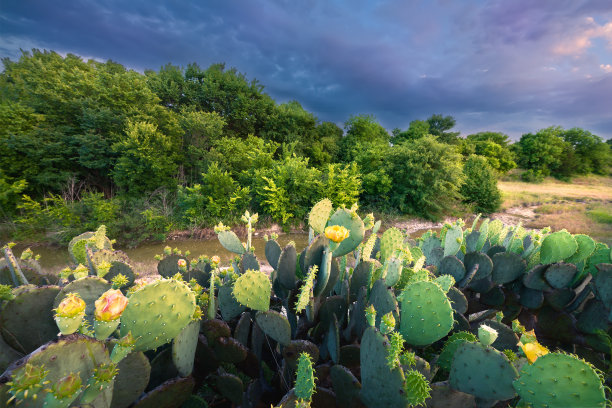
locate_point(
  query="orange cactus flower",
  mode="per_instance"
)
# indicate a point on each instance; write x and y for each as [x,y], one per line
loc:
[110,305]
[71,306]
[336,233]
[215,260]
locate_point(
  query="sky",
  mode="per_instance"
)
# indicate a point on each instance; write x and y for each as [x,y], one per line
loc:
[513,66]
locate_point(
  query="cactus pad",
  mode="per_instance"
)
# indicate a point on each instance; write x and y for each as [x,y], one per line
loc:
[157,313]
[231,387]
[391,240]
[560,380]
[317,219]
[184,348]
[272,251]
[292,352]
[450,347]
[586,247]
[483,372]
[560,275]
[133,377]
[287,262]
[354,224]
[485,264]
[231,242]
[453,240]
[345,384]
[248,261]
[26,321]
[534,279]
[274,325]
[171,394]
[253,290]
[228,305]
[507,266]
[451,265]
[557,246]
[426,313]
[168,266]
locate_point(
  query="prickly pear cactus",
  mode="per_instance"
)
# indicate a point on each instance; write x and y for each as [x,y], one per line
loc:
[351,221]
[305,381]
[557,247]
[253,290]
[391,241]
[426,313]
[156,313]
[560,380]
[317,219]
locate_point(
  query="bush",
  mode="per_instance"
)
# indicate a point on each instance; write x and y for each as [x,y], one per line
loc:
[341,184]
[532,176]
[480,186]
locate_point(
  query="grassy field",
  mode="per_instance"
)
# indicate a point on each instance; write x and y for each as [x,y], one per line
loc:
[582,206]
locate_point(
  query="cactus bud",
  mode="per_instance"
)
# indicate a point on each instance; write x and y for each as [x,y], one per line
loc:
[167,250]
[26,254]
[182,265]
[27,383]
[71,306]
[215,261]
[336,233]
[80,271]
[110,305]
[119,281]
[67,386]
[387,323]
[6,292]
[487,335]
[102,268]
[370,313]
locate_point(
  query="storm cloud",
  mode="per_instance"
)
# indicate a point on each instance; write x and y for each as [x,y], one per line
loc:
[496,65]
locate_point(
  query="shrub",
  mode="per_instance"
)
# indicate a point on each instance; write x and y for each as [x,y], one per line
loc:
[532,176]
[480,185]
[341,184]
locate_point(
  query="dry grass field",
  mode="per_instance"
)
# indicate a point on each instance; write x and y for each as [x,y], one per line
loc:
[582,206]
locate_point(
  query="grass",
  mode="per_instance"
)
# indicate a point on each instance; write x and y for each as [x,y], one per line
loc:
[582,206]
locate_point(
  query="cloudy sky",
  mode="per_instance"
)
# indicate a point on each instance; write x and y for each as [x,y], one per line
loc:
[506,65]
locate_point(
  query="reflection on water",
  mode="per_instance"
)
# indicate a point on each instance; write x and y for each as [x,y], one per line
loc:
[143,257]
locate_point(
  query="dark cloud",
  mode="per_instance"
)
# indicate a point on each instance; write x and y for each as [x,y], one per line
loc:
[507,66]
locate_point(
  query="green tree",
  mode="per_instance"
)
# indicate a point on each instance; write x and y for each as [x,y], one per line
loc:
[362,132]
[592,155]
[494,147]
[480,185]
[440,125]
[416,130]
[542,152]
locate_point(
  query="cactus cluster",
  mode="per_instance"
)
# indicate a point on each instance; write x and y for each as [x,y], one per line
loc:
[357,318]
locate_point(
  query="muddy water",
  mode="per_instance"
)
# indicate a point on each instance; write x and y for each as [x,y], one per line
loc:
[143,257]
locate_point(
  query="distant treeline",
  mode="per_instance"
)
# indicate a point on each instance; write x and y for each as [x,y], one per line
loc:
[84,143]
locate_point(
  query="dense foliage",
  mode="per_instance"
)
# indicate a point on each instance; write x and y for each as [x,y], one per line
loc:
[182,146]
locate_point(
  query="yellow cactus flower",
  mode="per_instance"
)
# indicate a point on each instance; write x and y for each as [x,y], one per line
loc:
[336,233]
[71,306]
[110,305]
[533,351]
[215,260]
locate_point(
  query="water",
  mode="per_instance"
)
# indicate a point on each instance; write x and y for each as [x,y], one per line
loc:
[143,257]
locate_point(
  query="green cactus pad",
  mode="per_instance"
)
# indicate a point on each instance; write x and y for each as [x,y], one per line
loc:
[231,242]
[445,281]
[231,387]
[601,255]
[332,340]
[215,328]
[506,337]
[253,290]
[184,348]
[168,267]
[393,271]
[391,240]
[229,350]
[317,219]
[443,396]
[451,265]
[7,355]
[507,266]
[305,380]
[557,246]
[354,224]
[560,275]
[118,267]
[382,299]
[345,385]
[560,380]
[171,394]
[594,317]
[293,350]
[531,298]
[287,262]
[381,385]
[493,297]
[228,305]
[274,325]
[428,244]
[559,298]
[426,313]
[453,240]
[157,313]
[76,247]
[450,347]
[89,288]
[273,252]
[485,264]
[362,276]
[132,380]
[458,300]
[26,321]
[603,285]
[534,279]
[68,354]
[333,306]
[248,261]
[483,372]
[471,241]
[586,247]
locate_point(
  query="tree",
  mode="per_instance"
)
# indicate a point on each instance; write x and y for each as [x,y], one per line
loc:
[494,147]
[439,125]
[416,130]
[362,132]
[480,185]
[543,151]
[592,155]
